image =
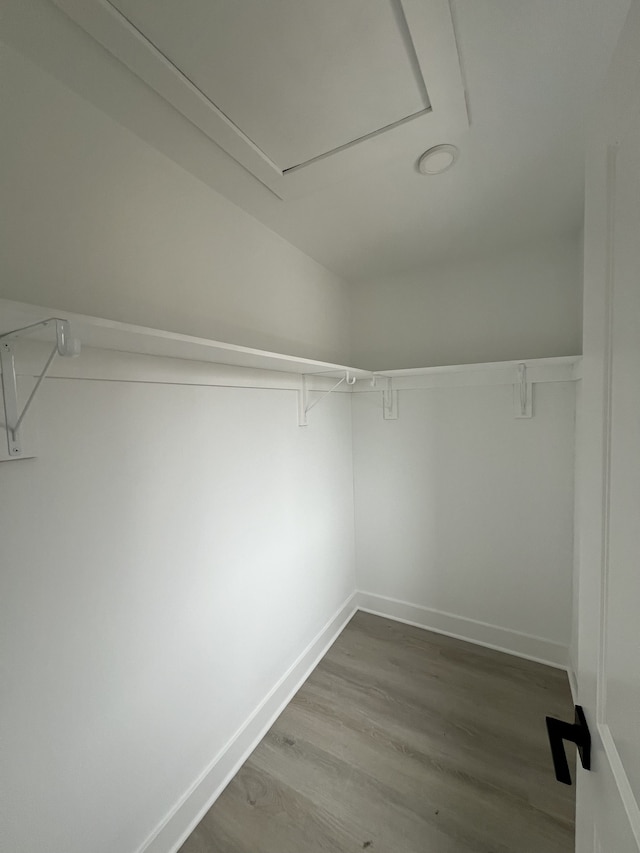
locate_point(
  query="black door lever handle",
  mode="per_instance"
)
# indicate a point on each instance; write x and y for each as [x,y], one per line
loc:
[578,733]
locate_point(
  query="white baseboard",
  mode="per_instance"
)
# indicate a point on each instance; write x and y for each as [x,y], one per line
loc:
[187,813]
[482,634]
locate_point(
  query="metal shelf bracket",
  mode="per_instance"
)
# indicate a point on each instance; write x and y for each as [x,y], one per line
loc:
[65,345]
[304,404]
[523,394]
[389,397]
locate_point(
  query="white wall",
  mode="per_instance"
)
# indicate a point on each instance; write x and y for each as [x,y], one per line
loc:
[172,550]
[523,304]
[466,513]
[165,559]
[96,221]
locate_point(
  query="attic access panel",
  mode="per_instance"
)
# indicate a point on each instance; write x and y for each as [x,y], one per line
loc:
[299,78]
[300,92]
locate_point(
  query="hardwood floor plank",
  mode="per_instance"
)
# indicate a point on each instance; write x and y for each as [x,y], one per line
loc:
[403,741]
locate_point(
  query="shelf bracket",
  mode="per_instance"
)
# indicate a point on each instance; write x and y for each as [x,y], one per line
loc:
[65,345]
[523,394]
[389,397]
[389,401]
[304,406]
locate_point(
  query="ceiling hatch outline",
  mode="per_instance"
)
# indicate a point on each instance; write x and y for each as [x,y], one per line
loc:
[377,14]
[428,37]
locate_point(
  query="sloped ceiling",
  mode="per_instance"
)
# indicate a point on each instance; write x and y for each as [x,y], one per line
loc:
[529,67]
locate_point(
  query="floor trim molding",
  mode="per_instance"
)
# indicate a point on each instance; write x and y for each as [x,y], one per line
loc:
[491,636]
[175,828]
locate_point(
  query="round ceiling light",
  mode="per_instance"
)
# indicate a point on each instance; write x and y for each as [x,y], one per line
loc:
[437,159]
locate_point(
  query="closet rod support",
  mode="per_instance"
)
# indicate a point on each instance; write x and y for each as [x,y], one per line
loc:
[65,345]
[389,397]
[304,406]
[523,394]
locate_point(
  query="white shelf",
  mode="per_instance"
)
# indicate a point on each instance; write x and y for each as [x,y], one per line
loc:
[124,337]
[553,369]
[280,370]
[552,362]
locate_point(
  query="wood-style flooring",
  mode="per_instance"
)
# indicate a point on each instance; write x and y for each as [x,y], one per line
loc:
[403,741]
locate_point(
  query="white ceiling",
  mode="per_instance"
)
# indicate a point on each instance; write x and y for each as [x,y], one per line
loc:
[298,77]
[530,68]
[302,94]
